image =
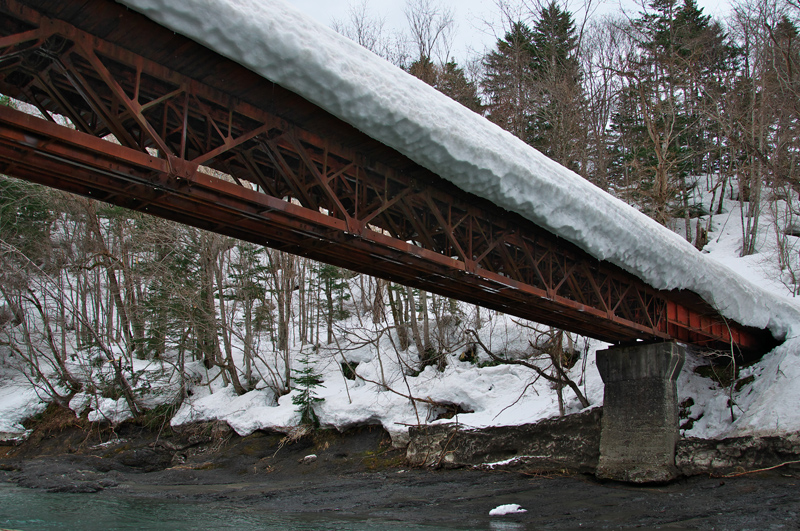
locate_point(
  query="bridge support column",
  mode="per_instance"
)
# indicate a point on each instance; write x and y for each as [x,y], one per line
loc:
[639,429]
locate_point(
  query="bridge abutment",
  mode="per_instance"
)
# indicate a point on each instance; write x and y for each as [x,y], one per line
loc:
[640,412]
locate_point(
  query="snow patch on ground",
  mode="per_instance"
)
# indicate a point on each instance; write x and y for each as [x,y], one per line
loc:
[18,401]
[495,395]
[511,461]
[769,406]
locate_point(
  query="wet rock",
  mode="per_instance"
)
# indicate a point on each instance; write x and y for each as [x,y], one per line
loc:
[146,459]
[61,476]
[567,443]
[572,443]
[77,488]
[735,454]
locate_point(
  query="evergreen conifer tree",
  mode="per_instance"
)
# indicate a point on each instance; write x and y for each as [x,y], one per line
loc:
[508,80]
[556,127]
[449,79]
[306,381]
[454,83]
[333,282]
[663,134]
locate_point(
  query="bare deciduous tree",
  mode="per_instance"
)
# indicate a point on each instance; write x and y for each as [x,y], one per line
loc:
[432,27]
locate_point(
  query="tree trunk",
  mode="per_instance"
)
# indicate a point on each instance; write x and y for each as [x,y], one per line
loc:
[398,315]
[230,365]
[329,309]
[414,326]
[426,328]
[378,308]
[108,263]
[207,322]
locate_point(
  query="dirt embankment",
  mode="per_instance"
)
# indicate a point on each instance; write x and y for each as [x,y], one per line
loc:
[65,453]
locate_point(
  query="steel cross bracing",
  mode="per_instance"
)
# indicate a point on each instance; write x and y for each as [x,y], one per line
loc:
[147,130]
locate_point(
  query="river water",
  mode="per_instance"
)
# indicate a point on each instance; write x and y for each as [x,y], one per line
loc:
[414,500]
[30,509]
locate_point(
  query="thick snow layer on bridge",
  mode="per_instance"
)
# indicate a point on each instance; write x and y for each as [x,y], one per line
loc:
[284,46]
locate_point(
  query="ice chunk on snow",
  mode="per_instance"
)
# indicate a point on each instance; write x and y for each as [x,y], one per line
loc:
[511,508]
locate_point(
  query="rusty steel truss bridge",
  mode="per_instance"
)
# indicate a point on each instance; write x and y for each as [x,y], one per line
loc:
[138,116]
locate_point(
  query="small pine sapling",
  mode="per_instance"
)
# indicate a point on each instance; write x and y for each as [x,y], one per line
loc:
[306,381]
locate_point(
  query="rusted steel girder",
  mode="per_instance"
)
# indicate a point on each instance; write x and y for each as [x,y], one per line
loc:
[260,164]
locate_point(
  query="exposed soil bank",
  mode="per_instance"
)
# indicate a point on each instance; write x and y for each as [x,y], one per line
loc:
[359,475]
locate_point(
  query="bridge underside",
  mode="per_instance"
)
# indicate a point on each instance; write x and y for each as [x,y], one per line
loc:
[137,116]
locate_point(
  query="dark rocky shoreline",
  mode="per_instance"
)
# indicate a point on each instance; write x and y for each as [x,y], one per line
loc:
[572,445]
[359,475]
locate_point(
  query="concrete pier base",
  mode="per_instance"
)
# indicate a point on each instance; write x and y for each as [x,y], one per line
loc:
[640,412]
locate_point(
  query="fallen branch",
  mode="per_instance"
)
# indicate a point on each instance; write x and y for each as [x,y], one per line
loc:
[738,474]
[562,379]
[398,393]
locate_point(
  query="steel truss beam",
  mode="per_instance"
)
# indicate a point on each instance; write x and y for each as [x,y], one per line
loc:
[150,138]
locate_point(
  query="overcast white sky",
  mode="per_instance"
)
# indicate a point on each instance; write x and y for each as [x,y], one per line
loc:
[474,18]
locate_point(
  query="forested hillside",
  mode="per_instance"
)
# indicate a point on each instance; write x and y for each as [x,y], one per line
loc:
[690,120]
[645,105]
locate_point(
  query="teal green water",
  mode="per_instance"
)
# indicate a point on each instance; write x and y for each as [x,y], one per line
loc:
[27,509]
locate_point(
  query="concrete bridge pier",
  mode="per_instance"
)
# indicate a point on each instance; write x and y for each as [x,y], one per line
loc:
[639,429]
